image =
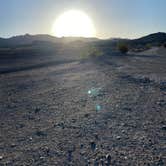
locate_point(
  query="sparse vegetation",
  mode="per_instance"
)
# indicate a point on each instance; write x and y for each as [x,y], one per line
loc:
[123,48]
[91,51]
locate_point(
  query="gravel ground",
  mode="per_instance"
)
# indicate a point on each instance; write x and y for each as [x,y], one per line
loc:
[50,116]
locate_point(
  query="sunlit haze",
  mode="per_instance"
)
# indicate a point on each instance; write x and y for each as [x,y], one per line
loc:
[73,23]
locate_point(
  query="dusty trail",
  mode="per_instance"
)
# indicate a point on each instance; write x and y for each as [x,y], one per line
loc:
[48,118]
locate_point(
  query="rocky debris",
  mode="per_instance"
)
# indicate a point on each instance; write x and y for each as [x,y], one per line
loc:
[60,125]
[161,103]
[118,137]
[108,158]
[93,145]
[13,145]
[40,133]
[19,126]
[164,128]
[37,110]
[86,115]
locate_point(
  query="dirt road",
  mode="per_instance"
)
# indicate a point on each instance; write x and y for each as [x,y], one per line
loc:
[49,116]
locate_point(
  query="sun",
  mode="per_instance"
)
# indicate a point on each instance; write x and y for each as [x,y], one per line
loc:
[73,23]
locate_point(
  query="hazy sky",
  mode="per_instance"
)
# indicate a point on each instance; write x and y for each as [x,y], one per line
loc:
[112,18]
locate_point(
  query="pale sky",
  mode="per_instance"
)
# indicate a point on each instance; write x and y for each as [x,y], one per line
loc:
[112,18]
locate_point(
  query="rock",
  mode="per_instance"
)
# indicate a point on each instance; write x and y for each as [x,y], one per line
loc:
[163,127]
[118,137]
[37,110]
[40,133]
[81,146]
[101,161]
[69,158]
[86,115]
[93,145]
[13,145]
[125,158]
[108,158]
[161,103]
[96,136]
[123,131]
[42,157]
[1,157]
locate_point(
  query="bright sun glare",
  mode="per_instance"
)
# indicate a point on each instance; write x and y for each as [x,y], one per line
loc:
[74,23]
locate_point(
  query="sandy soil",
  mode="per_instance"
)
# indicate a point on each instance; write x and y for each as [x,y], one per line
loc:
[48,118]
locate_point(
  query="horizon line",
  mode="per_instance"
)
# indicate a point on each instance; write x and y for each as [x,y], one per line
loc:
[30,34]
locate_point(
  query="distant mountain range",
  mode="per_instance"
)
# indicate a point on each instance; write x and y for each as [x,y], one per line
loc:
[153,39]
[29,39]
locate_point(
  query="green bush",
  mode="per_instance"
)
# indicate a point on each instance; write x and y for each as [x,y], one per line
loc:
[123,48]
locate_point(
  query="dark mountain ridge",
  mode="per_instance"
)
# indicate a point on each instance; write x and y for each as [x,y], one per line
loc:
[153,39]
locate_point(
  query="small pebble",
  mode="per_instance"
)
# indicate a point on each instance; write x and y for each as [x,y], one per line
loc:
[42,157]
[13,145]
[108,157]
[163,127]
[93,145]
[118,137]
[123,131]
[125,157]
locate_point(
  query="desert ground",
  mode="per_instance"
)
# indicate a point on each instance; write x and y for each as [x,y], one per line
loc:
[58,109]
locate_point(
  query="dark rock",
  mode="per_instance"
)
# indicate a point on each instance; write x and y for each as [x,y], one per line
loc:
[108,158]
[93,145]
[86,115]
[40,133]
[69,158]
[37,110]
[164,128]
[81,146]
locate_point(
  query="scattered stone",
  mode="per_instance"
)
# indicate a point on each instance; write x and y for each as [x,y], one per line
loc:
[81,146]
[161,103]
[125,158]
[108,157]
[13,145]
[42,157]
[83,152]
[98,108]
[19,126]
[145,80]
[88,161]
[123,131]
[86,115]
[101,161]
[93,145]
[40,133]
[37,110]
[163,127]
[60,125]
[118,137]
[96,136]
[30,138]
[69,158]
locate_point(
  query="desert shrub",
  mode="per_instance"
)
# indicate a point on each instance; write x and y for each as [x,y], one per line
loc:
[148,46]
[91,51]
[123,48]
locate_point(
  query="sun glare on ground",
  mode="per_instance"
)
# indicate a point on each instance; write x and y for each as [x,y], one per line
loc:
[74,23]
